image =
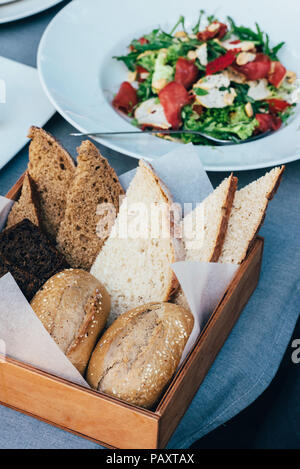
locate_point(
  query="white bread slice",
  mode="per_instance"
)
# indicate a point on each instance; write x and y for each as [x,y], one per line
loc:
[137,269]
[247,216]
[213,215]
[211,219]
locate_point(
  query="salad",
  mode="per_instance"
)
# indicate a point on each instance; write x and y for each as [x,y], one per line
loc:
[221,79]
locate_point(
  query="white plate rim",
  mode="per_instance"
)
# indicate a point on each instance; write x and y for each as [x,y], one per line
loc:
[33,11]
[109,144]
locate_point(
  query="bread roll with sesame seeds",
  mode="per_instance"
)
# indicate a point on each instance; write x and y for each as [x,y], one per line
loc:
[73,307]
[139,353]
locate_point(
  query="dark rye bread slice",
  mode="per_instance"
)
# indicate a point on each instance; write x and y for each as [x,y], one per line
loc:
[27,283]
[27,253]
[52,169]
[28,205]
[95,182]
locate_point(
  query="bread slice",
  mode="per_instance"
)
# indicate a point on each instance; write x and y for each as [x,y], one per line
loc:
[52,169]
[247,215]
[27,282]
[28,205]
[95,183]
[211,216]
[29,256]
[209,220]
[135,267]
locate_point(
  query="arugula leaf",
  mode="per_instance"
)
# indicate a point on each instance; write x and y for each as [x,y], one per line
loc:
[211,19]
[260,38]
[196,28]
[276,49]
[272,52]
[181,22]
[129,60]
[200,91]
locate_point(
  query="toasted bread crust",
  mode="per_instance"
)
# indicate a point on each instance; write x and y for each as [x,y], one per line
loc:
[270,196]
[224,222]
[177,243]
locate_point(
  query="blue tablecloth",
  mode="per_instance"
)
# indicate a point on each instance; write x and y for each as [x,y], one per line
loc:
[252,354]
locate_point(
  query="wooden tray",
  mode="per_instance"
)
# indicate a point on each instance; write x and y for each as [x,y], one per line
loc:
[109,421]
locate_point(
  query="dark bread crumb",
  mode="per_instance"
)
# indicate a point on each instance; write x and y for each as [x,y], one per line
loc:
[29,256]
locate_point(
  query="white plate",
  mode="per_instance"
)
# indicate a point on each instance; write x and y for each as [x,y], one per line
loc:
[11,10]
[3,2]
[26,104]
[78,73]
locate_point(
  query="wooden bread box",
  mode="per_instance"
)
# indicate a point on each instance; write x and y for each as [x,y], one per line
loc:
[107,420]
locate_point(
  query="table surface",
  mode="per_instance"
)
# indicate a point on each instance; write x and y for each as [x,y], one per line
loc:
[19,41]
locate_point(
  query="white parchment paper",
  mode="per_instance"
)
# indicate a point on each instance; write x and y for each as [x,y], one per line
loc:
[203,283]
[25,337]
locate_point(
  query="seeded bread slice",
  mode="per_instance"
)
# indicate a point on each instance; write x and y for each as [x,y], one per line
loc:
[95,183]
[247,215]
[135,265]
[204,229]
[52,169]
[28,205]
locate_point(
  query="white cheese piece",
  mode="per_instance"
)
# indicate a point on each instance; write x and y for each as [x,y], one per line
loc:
[201,53]
[289,92]
[214,81]
[243,45]
[215,97]
[213,27]
[258,89]
[151,113]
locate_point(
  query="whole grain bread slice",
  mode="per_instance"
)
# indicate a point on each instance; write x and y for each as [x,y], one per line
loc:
[28,205]
[52,169]
[247,215]
[204,229]
[81,234]
[135,264]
